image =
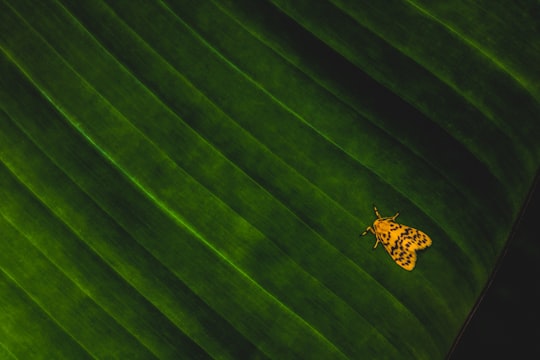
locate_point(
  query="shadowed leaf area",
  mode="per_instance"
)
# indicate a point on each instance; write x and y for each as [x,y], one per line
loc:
[188,179]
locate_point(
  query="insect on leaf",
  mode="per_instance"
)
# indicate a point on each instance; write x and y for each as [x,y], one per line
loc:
[400,241]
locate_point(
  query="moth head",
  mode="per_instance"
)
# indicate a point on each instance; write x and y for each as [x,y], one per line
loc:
[382,225]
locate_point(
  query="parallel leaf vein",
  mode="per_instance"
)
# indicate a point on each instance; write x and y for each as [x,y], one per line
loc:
[468,99]
[37,302]
[409,100]
[301,119]
[347,104]
[73,231]
[176,217]
[511,73]
[264,189]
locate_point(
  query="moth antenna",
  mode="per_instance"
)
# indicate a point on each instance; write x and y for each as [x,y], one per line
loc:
[377,211]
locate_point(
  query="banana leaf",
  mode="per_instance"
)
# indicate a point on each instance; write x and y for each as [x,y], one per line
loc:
[188,179]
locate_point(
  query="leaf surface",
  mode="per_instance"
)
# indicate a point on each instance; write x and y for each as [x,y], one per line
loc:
[184,179]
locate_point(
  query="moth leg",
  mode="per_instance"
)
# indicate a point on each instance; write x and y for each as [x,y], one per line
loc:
[395,216]
[369,229]
[376,243]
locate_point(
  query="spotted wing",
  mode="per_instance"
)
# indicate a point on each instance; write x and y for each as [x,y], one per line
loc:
[402,242]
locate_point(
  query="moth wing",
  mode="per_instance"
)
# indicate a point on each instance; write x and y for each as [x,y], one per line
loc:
[402,242]
[418,239]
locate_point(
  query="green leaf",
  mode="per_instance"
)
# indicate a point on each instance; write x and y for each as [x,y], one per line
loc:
[185,179]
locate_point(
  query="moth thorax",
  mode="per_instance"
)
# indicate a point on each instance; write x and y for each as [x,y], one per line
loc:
[382,225]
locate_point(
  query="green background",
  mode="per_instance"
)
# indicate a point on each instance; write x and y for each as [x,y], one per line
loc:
[189,179]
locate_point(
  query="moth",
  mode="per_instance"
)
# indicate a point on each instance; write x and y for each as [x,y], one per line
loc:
[400,241]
